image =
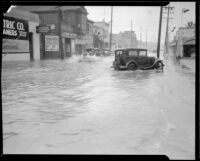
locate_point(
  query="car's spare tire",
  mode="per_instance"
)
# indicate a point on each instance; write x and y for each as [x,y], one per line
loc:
[132,66]
[159,65]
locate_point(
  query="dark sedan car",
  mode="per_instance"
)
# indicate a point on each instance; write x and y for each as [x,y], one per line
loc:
[134,58]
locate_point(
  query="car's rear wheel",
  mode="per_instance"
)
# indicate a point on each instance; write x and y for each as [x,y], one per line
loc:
[132,66]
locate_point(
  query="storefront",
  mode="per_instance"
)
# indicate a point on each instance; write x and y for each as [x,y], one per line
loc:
[51,46]
[68,40]
[20,41]
[80,44]
[189,48]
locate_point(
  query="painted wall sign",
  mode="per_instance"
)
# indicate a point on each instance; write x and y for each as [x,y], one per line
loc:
[51,43]
[15,46]
[14,28]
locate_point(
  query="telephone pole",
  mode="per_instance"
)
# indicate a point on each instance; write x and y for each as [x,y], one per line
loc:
[111,28]
[131,33]
[168,8]
[146,38]
[140,36]
[159,32]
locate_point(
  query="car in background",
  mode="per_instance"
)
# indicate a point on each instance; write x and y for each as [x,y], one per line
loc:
[107,52]
[135,58]
[93,51]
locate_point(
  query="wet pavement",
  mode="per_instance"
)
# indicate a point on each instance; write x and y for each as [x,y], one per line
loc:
[85,107]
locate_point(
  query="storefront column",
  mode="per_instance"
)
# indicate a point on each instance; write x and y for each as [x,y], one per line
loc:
[60,34]
[31,46]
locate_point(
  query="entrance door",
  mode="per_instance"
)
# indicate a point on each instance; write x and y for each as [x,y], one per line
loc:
[67,47]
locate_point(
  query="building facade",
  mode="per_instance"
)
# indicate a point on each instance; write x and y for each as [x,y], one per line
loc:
[66,23]
[20,40]
[101,35]
[89,36]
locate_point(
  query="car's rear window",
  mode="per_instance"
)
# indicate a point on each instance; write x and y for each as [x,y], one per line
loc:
[133,53]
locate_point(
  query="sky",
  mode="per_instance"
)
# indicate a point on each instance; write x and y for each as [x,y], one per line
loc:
[145,20]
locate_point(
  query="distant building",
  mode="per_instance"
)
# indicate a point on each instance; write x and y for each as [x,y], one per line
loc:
[124,39]
[19,39]
[73,20]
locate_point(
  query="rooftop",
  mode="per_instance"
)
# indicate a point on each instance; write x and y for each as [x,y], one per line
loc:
[51,8]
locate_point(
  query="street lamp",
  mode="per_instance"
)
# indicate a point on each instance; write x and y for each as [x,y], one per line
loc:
[184,10]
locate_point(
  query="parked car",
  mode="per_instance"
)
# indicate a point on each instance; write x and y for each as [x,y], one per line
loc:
[88,57]
[135,58]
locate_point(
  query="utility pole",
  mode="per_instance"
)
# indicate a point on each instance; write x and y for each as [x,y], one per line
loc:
[111,28]
[60,33]
[159,32]
[140,36]
[131,33]
[146,38]
[167,28]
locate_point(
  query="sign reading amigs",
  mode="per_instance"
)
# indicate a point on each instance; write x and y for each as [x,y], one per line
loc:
[14,28]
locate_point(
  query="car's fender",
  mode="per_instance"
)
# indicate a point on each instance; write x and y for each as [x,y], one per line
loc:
[130,61]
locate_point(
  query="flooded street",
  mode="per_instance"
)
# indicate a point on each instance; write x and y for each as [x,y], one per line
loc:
[72,107]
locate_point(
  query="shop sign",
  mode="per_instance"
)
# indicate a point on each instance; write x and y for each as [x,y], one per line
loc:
[42,29]
[15,46]
[51,43]
[14,28]
[68,35]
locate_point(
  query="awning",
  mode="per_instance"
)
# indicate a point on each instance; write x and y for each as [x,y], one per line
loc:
[172,44]
[189,42]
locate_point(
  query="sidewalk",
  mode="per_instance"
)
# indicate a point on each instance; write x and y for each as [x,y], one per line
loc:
[188,62]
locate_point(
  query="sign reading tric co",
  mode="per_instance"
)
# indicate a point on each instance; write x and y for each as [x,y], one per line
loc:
[14,28]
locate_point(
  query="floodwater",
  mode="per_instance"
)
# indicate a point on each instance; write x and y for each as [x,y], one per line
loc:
[85,107]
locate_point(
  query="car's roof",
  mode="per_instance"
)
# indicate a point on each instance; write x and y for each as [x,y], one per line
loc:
[132,49]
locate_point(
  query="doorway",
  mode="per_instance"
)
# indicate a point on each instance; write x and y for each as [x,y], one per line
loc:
[67,47]
[188,50]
